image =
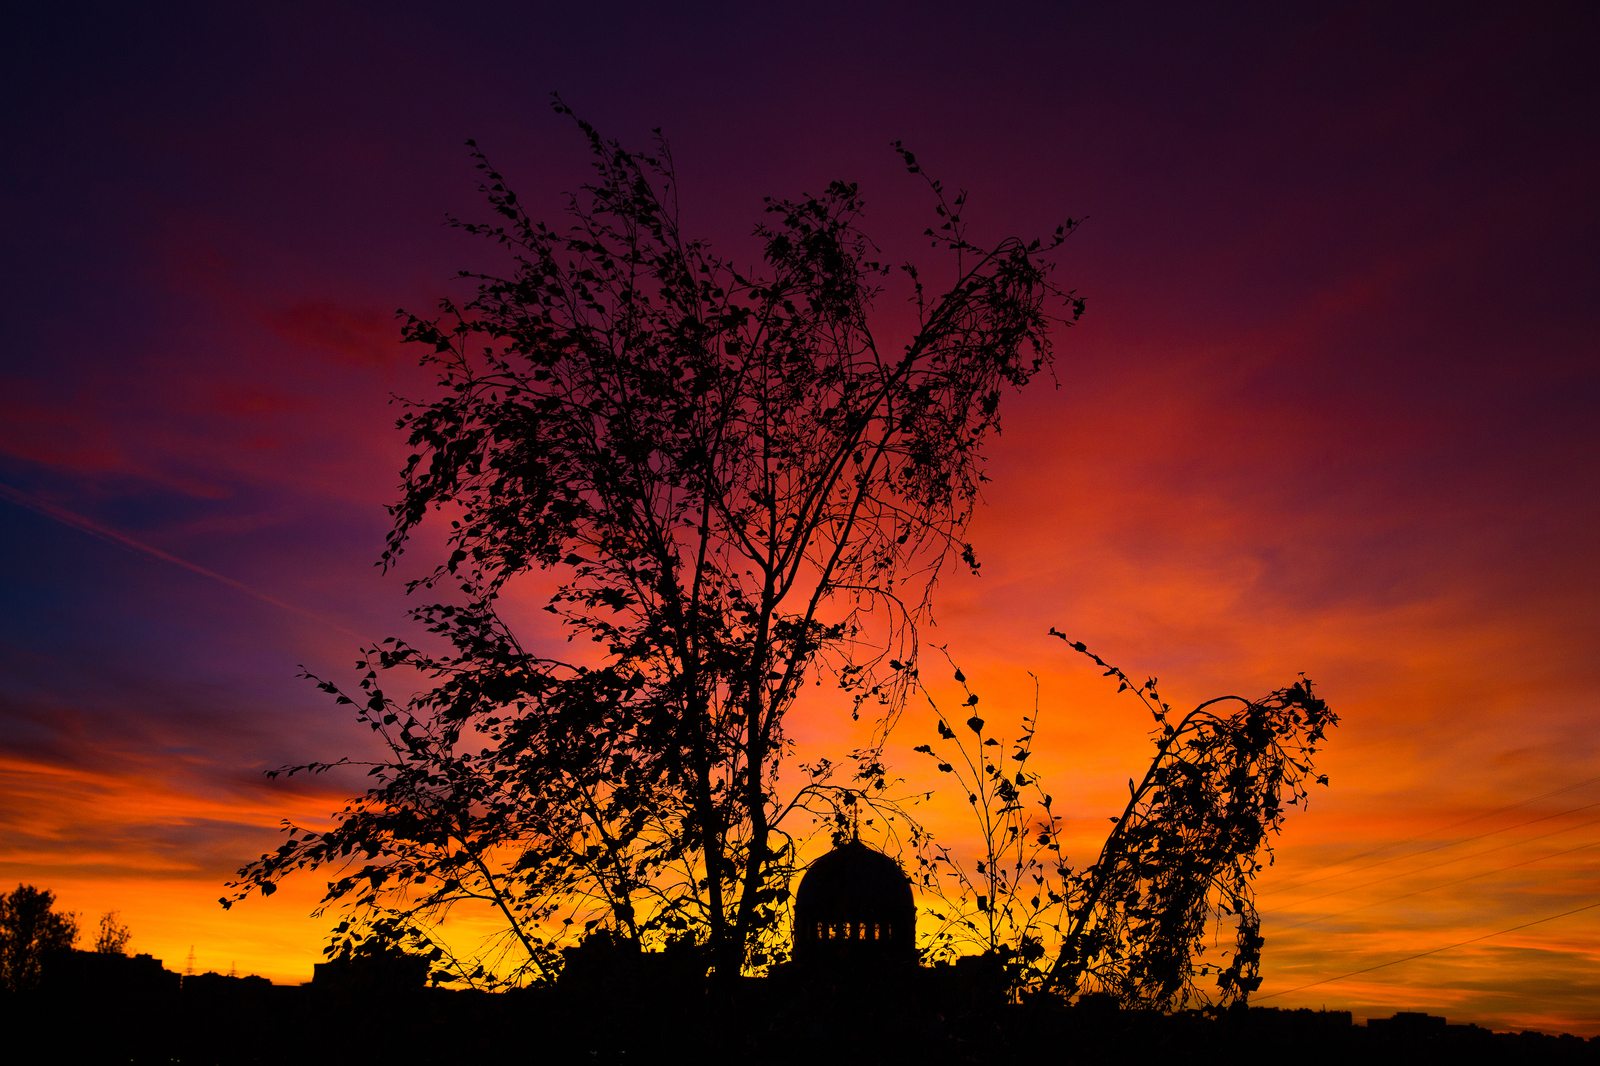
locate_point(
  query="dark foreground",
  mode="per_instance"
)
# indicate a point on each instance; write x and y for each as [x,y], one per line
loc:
[922,1018]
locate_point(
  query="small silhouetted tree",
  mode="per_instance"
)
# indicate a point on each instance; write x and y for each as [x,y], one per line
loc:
[1001,902]
[30,929]
[736,485]
[113,937]
[1183,854]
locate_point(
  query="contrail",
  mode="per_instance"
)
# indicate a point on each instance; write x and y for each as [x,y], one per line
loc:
[1435,951]
[1447,862]
[105,533]
[1413,840]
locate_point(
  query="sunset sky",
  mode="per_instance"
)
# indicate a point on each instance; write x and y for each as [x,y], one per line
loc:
[1333,409]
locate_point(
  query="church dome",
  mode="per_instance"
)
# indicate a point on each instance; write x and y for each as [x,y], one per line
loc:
[854,907]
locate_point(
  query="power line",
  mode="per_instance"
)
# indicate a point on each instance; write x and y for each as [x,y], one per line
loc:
[1449,844]
[1460,858]
[1424,954]
[1447,884]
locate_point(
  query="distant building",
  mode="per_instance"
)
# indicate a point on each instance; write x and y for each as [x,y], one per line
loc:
[1302,1020]
[69,972]
[213,985]
[1409,1023]
[390,972]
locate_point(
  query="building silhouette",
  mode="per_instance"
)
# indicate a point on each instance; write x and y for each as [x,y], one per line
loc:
[383,971]
[854,910]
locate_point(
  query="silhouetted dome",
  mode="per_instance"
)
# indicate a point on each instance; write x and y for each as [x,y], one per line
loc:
[854,907]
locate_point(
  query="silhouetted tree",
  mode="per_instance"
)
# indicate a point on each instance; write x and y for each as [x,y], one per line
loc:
[1184,852]
[31,928]
[113,936]
[725,472]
